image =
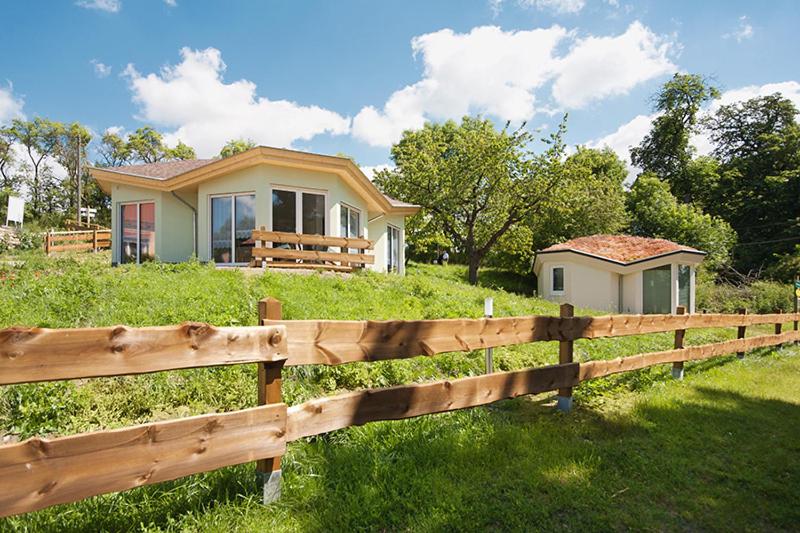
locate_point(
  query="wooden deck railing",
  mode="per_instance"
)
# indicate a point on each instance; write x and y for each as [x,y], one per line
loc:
[298,250]
[61,241]
[40,472]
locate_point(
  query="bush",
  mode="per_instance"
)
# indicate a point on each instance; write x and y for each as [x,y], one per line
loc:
[756,297]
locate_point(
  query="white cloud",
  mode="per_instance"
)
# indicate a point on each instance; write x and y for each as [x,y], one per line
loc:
[101,70]
[110,6]
[193,98]
[498,73]
[624,138]
[370,170]
[10,105]
[742,32]
[598,67]
[171,3]
[557,6]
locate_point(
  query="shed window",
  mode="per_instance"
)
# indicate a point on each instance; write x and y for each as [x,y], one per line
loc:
[558,279]
[684,286]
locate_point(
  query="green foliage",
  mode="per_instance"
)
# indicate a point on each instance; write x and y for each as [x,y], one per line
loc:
[655,212]
[666,150]
[474,182]
[145,145]
[785,266]
[757,297]
[236,146]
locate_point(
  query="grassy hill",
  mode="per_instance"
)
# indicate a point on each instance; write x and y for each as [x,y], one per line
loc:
[640,450]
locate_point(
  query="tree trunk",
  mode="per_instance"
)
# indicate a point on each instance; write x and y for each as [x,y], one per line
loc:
[474,263]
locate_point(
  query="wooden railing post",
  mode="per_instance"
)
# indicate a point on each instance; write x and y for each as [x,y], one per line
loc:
[47,243]
[741,333]
[677,367]
[565,355]
[94,240]
[269,391]
[779,326]
[488,312]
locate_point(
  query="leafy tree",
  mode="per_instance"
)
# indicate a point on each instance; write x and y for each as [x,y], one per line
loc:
[145,145]
[74,138]
[476,183]
[40,138]
[757,143]
[655,212]
[113,150]
[181,152]
[666,150]
[7,159]
[236,146]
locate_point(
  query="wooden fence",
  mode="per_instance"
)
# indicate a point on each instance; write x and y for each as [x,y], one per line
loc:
[39,472]
[61,241]
[298,250]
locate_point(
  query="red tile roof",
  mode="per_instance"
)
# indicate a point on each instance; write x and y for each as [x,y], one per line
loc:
[621,248]
[163,170]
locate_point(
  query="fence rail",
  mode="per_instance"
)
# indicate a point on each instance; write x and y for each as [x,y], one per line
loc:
[299,250]
[62,241]
[38,472]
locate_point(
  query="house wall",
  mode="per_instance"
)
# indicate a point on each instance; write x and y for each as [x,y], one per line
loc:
[378,231]
[174,230]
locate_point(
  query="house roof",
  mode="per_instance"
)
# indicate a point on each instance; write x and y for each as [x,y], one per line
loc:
[623,249]
[174,175]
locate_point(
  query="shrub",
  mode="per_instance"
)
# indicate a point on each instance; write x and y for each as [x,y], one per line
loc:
[757,297]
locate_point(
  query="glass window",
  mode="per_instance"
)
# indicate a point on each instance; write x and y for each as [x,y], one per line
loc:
[684,286]
[350,223]
[221,221]
[245,223]
[558,279]
[313,218]
[656,291]
[284,211]
[393,251]
[138,232]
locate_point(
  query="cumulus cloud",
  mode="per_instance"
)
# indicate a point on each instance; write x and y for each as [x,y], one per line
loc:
[370,170]
[742,32]
[498,73]
[10,105]
[632,132]
[101,70]
[171,3]
[109,6]
[557,6]
[205,111]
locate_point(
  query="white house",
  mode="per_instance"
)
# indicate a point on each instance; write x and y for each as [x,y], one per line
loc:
[619,274]
[209,207]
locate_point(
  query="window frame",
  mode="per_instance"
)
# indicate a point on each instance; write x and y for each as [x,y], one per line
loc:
[553,291]
[298,199]
[232,196]
[389,229]
[350,209]
[138,204]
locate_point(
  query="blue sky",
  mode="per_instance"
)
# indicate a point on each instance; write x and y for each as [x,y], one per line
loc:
[349,76]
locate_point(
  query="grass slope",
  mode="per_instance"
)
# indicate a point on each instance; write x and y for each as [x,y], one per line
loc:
[718,451]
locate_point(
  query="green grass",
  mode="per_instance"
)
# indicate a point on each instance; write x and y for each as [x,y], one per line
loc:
[717,451]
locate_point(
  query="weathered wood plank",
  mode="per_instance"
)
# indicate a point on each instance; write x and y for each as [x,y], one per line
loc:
[38,473]
[597,369]
[39,354]
[82,246]
[313,239]
[357,408]
[312,255]
[80,236]
[309,266]
[335,342]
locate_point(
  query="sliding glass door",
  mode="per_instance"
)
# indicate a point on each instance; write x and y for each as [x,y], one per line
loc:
[233,218]
[350,223]
[393,252]
[297,211]
[137,232]
[657,290]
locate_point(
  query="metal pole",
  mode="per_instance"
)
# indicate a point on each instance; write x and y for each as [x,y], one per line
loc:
[488,312]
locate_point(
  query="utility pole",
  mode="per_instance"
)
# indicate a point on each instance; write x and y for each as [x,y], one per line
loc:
[78,178]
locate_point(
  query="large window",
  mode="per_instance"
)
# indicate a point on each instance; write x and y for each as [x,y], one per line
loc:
[657,296]
[298,211]
[350,223]
[137,232]
[685,287]
[233,219]
[557,280]
[393,251]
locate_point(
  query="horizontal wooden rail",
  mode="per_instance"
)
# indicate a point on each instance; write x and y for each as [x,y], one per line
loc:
[311,239]
[312,255]
[39,354]
[80,236]
[597,369]
[334,342]
[38,473]
[357,408]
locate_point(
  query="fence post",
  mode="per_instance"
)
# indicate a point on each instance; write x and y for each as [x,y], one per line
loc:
[47,243]
[796,293]
[677,367]
[741,332]
[779,326]
[269,391]
[565,355]
[488,312]
[94,240]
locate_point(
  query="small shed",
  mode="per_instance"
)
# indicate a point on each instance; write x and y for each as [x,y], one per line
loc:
[619,274]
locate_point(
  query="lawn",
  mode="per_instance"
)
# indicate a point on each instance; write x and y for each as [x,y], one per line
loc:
[716,451]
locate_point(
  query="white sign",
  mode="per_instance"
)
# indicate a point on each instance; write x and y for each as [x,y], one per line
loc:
[16,209]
